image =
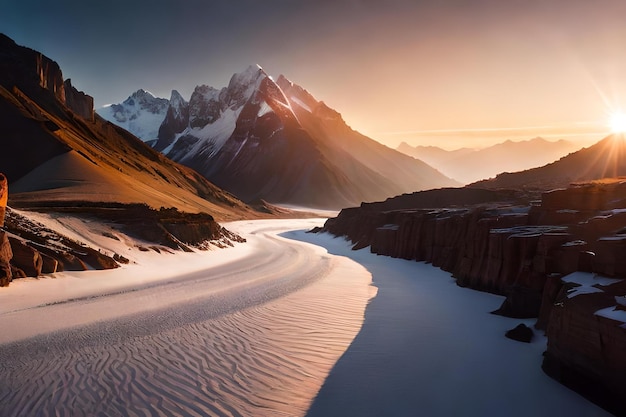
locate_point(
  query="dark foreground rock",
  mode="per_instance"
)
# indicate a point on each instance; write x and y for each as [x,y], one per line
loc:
[521,333]
[39,250]
[587,344]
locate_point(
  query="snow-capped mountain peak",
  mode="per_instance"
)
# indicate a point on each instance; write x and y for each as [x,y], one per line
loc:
[261,138]
[142,98]
[177,101]
[243,85]
[141,114]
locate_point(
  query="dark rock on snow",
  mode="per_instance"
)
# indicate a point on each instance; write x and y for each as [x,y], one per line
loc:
[521,333]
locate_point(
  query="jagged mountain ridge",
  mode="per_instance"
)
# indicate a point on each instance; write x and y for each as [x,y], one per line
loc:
[261,139]
[54,148]
[470,165]
[139,114]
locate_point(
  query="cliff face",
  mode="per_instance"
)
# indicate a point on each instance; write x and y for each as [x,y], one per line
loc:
[587,340]
[488,248]
[527,252]
[77,101]
[50,76]
[24,69]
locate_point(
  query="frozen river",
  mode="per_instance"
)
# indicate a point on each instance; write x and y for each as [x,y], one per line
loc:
[258,329]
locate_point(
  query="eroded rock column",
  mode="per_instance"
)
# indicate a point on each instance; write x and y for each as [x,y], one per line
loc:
[5,247]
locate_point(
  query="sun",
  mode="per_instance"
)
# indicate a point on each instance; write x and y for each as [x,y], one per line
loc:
[617,122]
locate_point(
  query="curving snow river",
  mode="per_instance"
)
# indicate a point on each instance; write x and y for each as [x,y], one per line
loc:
[255,333]
[273,327]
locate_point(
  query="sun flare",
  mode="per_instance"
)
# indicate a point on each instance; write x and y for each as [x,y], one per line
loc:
[617,122]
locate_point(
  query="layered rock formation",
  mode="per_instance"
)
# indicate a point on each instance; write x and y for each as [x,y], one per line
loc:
[28,70]
[39,250]
[79,102]
[527,250]
[587,340]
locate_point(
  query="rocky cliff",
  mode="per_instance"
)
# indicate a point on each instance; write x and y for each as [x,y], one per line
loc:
[29,70]
[30,249]
[79,102]
[587,339]
[528,250]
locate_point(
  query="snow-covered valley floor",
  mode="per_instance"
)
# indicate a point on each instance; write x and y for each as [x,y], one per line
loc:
[257,329]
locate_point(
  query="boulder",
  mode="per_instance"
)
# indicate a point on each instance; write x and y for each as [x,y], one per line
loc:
[49,264]
[26,258]
[521,333]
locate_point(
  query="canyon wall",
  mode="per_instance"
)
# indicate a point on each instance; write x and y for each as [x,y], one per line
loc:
[77,101]
[32,72]
[524,249]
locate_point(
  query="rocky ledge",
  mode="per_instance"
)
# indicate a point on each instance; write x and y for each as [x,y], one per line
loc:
[30,249]
[528,248]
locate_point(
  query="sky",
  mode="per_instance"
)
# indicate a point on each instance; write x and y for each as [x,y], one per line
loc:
[449,73]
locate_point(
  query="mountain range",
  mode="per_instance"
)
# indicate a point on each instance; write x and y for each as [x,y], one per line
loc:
[264,139]
[470,165]
[605,159]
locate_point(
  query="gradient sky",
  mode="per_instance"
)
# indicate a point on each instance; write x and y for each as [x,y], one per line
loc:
[448,72]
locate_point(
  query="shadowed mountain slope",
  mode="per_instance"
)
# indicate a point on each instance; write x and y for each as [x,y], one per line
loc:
[55,149]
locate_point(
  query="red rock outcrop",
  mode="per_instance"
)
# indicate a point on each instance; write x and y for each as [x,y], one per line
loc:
[26,258]
[5,247]
[38,250]
[4,197]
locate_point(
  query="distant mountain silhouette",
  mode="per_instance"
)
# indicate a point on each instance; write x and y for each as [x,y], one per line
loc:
[470,165]
[605,159]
